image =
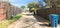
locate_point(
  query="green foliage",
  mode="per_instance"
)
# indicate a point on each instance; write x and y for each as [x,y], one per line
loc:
[59,2]
[47,1]
[23,7]
[17,16]
[7,22]
[35,5]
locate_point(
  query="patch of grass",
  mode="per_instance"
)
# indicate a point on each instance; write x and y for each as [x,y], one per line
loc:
[7,22]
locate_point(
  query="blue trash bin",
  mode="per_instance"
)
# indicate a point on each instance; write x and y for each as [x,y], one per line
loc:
[53,20]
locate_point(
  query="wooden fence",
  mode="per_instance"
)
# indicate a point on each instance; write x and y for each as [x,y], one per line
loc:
[46,11]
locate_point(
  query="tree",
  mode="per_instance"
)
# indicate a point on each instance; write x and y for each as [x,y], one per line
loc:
[34,5]
[23,7]
[47,2]
[58,2]
[52,3]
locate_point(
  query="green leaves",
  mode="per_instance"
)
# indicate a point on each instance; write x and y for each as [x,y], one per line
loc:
[58,1]
[23,7]
[33,5]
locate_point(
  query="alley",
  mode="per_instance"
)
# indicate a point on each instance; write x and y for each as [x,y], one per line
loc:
[28,20]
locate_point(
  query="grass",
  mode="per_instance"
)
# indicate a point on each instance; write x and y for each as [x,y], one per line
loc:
[7,22]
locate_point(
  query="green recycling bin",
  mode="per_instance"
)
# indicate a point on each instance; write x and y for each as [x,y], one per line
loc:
[53,20]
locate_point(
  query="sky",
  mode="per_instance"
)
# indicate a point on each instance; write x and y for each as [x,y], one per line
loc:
[19,3]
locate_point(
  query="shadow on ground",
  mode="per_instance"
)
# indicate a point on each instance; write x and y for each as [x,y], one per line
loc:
[40,19]
[44,21]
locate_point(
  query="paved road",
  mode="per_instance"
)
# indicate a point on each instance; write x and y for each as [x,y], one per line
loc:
[28,20]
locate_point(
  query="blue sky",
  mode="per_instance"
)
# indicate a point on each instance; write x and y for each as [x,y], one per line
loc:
[24,2]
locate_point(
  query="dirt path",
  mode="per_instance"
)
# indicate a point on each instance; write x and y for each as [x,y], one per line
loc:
[30,21]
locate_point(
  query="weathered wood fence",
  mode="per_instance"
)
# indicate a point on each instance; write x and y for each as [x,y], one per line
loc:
[46,11]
